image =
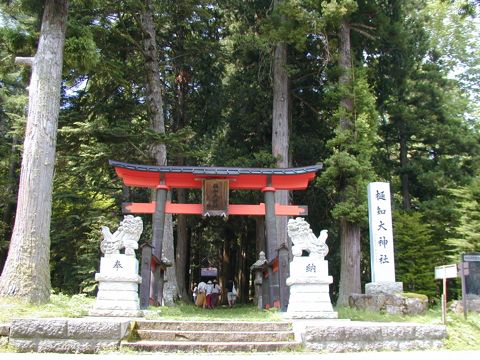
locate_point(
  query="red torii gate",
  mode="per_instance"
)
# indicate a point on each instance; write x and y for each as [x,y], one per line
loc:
[215,183]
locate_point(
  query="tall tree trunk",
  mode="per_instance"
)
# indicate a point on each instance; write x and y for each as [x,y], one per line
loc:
[349,232]
[27,270]
[181,255]
[404,176]
[180,121]
[243,272]
[226,273]
[159,151]
[170,294]
[350,261]
[280,131]
[154,83]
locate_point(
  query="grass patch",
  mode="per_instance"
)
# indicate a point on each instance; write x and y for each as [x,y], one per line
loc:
[60,305]
[5,346]
[463,334]
[433,316]
[187,312]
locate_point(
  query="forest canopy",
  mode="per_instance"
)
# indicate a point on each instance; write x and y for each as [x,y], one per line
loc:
[376,91]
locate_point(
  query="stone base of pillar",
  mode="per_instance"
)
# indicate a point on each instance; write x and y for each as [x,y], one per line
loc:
[309,289]
[383,287]
[118,287]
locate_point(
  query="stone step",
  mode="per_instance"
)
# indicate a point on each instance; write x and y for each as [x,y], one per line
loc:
[367,336]
[215,336]
[366,331]
[211,336]
[194,346]
[213,325]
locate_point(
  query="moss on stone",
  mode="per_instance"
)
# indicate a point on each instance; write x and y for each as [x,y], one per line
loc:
[411,295]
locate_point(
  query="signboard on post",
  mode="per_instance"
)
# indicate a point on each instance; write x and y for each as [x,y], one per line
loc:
[381,232]
[215,197]
[445,272]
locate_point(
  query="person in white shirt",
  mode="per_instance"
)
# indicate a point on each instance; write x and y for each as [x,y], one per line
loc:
[231,293]
[201,296]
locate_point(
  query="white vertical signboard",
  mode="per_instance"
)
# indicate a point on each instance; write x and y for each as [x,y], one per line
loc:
[381,232]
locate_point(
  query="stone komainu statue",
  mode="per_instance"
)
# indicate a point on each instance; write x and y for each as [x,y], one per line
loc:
[126,236]
[304,241]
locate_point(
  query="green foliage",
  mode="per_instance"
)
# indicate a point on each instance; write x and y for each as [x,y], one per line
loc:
[467,232]
[414,79]
[413,237]
[80,50]
[348,170]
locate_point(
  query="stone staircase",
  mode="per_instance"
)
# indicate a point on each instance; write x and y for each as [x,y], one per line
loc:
[211,336]
[91,335]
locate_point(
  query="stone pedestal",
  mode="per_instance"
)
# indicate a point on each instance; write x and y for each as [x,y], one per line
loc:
[309,289]
[387,297]
[383,287]
[118,287]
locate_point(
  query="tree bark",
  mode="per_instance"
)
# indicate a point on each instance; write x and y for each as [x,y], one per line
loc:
[27,270]
[170,293]
[349,232]
[404,176]
[349,261]
[226,271]
[345,80]
[154,83]
[181,89]
[159,151]
[182,250]
[280,130]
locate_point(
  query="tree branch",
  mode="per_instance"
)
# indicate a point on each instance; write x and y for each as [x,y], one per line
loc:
[27,61]
[310,106]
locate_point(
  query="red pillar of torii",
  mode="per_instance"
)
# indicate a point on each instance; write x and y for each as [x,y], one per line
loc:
[215,183]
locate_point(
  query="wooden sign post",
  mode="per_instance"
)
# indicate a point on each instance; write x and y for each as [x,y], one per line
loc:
[443,273]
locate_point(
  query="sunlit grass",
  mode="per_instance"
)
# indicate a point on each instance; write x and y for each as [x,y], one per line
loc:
[463,334]
[239,312]
[60,305]
[432,316]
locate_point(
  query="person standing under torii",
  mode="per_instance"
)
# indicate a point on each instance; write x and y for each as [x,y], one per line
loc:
[208,292]
[216,291]
[201,296]
[231,293]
